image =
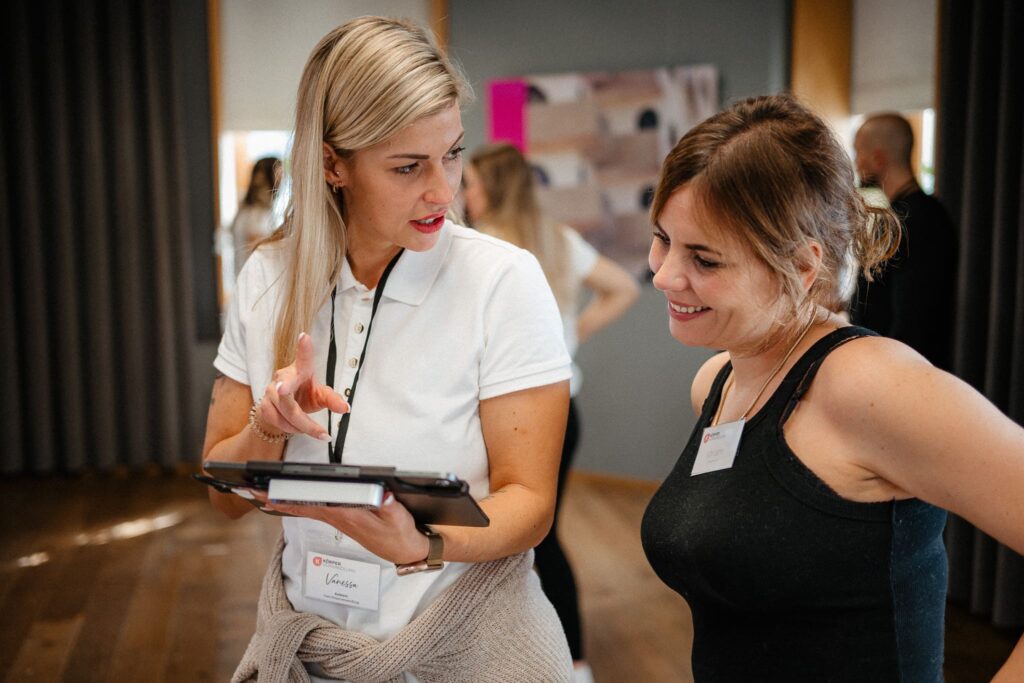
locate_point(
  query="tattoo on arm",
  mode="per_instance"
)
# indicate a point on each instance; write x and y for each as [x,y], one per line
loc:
[493,494]
[218,379]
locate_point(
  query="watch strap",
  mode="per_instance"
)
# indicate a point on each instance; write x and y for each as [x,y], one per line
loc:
[433,561]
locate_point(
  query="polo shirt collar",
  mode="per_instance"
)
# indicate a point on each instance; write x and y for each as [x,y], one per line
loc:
[414,274]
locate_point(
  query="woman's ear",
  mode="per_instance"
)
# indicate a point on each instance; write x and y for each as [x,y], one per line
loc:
[810,263]
[334,168]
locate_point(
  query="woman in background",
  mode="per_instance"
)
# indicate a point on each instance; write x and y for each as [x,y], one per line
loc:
[498,189]
[803,521]
[255,218]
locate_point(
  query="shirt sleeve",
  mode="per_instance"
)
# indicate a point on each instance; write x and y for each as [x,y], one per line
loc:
[231,354]
[582,255]
[523,344]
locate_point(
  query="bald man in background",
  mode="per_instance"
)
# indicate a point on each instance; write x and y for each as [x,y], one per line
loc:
[914,299]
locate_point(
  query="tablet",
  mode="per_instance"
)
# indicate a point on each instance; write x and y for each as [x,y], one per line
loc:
[431,497]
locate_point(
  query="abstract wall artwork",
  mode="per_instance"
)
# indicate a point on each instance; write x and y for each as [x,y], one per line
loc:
[596,142]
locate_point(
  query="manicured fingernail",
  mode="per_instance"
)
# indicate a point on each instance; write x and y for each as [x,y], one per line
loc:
[389,498]
[277,387]
[324,436]
[301,335]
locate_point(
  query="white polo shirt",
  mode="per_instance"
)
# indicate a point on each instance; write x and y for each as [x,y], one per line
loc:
[471,319]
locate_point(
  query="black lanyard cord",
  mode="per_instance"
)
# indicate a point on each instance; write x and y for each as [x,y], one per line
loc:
[335,449]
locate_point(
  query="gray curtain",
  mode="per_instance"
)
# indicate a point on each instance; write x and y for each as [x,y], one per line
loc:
[99,196]
[980,156]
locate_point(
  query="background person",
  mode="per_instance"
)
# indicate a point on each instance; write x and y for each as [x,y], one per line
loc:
[466,372]
[816,553]
[255,218]
[500,198]
[913,299]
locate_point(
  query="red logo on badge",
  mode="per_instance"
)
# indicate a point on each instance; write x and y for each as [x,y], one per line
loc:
[317,560]
[707,437]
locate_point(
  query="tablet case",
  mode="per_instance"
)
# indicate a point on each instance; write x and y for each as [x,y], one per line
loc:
[431,497]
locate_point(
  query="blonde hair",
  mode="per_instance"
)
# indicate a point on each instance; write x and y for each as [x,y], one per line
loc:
[770,174]
[364,82]
[513,215]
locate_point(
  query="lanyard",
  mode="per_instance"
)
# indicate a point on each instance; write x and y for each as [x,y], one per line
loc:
[334,450]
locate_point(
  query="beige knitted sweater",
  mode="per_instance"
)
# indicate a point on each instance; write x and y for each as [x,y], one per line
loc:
[493,625]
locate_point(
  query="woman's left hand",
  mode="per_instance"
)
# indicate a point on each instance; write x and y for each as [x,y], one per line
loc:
[388,532]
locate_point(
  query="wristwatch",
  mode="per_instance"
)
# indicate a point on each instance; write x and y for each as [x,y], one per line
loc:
[433,560]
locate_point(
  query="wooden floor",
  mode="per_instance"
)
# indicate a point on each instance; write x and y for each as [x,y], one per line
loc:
[139,580]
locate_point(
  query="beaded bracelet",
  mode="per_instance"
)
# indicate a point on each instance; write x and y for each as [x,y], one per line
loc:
[254,425]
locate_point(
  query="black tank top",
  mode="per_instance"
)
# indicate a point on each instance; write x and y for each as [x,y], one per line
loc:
[787,581]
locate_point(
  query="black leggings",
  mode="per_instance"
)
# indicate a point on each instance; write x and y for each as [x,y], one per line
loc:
[553,567]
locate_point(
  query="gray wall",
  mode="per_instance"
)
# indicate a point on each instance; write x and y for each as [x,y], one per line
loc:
[635,407]
[635,403]
[748,40]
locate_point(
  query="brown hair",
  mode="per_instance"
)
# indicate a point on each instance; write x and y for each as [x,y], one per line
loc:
[513,214]
[263,182]
[773,176]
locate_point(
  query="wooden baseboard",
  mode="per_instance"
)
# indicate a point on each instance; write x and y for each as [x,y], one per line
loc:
[617,480]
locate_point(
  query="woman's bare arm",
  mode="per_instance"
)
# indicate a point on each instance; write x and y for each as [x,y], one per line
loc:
[937,439]
[615,291]
[229,438]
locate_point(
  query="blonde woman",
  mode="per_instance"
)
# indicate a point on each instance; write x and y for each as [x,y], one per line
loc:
[461,368]
[498,189]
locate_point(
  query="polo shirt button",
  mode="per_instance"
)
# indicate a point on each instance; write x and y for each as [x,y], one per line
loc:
[352,362]
[359,328]
[348,392]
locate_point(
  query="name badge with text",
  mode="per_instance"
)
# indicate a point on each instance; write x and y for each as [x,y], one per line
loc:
[338,579]
[718,447]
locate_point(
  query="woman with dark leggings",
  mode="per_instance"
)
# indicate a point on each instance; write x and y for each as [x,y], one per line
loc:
[499,193]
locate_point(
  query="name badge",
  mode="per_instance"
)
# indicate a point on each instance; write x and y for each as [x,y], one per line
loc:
[718,447]
[341,580]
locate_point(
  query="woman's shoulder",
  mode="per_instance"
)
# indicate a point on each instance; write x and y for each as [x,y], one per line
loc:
[262,269]
[474,240]
[570,233]
[575,241]
[705,378]
[494,272]
[486,252]
[869,372]
[268,257]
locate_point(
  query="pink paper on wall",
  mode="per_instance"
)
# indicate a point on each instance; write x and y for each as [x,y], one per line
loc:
[508,112]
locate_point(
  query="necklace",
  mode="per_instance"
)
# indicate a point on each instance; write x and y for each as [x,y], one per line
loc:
[771,376]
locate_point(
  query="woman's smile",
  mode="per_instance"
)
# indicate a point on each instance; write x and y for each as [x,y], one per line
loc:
[683,308]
